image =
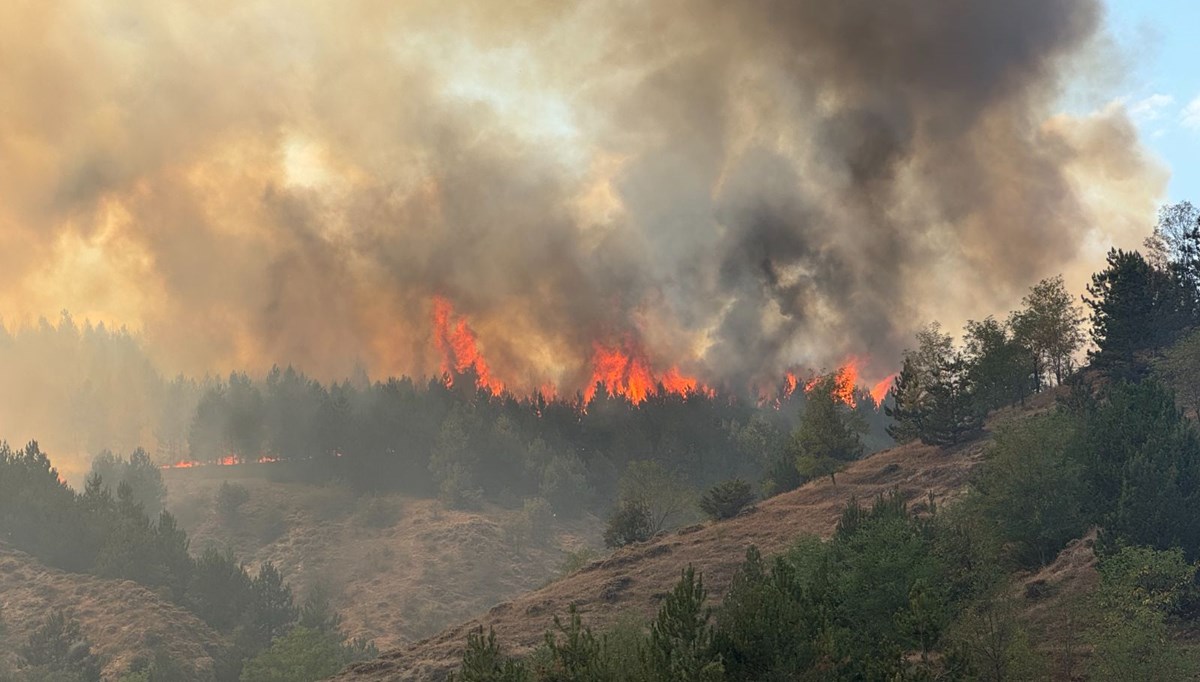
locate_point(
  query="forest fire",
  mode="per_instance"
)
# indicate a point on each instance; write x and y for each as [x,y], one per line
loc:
[621,370]
[627,373]
[456,341]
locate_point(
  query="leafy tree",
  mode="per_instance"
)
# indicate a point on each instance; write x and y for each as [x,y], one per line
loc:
[830,434]
[1030,489]
[229,499]
[933,398]
[680,645]
[564,485]
[663,494]
[1129,634]
[1179,368]
[630,522]
[1001,369]
[302,655]
[725,500]
[219,591]
[1050,326]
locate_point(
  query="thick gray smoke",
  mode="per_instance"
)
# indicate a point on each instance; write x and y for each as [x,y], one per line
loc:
[737,187]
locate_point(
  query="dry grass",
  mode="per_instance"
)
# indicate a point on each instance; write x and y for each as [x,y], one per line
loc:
[634,579]
[398,568]
[122,619]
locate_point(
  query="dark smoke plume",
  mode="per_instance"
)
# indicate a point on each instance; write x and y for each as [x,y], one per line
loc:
[741,187]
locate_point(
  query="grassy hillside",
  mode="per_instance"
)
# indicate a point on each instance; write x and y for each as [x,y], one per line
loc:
[398,568]
[635,579]
[121,619]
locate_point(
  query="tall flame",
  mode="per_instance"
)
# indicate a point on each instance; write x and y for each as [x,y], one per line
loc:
[627,373]
[880,390]
[456,341]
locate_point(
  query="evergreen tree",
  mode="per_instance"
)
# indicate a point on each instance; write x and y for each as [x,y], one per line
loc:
[680,645]
[1134,308]
[829,435]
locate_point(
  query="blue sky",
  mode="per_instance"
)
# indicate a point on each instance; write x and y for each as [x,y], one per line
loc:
[1161,41]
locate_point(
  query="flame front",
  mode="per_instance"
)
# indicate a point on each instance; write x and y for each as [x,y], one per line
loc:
[621,369]
[457,343]
[627,373]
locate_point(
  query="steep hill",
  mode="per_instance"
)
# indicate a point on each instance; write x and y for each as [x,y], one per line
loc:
[122,619]
[635,579]
[398,568]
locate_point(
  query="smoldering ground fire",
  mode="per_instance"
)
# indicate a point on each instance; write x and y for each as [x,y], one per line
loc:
[697,194]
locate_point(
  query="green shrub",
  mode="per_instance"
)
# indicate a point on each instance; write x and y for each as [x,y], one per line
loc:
[631,522]
[302,655]
[725,500]
[230,498]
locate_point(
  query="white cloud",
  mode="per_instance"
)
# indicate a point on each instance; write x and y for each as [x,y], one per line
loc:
[1191,115]
[1150,108]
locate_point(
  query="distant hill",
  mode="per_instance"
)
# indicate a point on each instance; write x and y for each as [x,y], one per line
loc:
[122,619]
[398,568]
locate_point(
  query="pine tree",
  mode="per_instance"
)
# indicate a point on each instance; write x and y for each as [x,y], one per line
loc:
[830,434]
[680,646]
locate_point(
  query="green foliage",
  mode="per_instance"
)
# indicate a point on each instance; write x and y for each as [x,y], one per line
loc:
[989,644]
[830,433]
[564,485]
[725,500]
[1134,307]
[58,647]
[484,662]
[630,522]
[576,560]
[1001,369]
[933,397]
[1141,464]
[661,493]
[1049,330]
[1139,588]
[680,644]
[571,652]
[229,500]
[271,611]
[302,655]
[138,472]
[1030,490]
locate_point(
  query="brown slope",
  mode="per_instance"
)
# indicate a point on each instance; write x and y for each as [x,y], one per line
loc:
[634,579]
[122,619]
[394,581]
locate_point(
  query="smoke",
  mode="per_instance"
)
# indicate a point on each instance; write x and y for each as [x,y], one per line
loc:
[740,187]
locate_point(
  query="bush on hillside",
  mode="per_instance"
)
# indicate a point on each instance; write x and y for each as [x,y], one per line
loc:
[631,522]
[230,498]
[725,500]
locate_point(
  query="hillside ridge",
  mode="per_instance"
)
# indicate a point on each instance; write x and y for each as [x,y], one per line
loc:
[634,579]
[122,619]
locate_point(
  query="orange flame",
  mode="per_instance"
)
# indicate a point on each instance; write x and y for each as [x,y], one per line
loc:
[627,373]
[845,379]
[880,390]
[456,340]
